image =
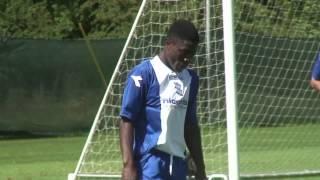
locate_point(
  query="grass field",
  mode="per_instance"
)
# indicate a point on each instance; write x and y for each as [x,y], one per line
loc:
[281,149]
[40,158]
[54,158]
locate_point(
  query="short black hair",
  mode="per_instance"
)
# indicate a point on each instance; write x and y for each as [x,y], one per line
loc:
[183,29]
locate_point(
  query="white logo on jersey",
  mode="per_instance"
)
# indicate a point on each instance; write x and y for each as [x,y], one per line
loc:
[178,88]
[136,80]
[181,102]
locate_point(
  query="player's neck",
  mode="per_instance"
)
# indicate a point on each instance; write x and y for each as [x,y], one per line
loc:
[165,60]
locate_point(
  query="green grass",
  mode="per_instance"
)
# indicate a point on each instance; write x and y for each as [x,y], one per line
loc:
[280,149]
[269,148]
[39,159]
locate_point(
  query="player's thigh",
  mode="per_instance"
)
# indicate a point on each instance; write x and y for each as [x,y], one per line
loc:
[158,165]
[179,169]
[154,167]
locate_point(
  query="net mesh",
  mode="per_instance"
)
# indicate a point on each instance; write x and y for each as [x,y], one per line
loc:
[276,43]
[103,153]
[278,112]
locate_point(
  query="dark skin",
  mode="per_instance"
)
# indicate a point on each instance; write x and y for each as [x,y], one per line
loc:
[129,170]
[176,55]
[193,141]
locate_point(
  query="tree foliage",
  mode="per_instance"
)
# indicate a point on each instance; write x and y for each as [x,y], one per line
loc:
[287,18]
[59,19]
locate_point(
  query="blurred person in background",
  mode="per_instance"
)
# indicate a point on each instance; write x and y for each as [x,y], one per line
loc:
[315,73]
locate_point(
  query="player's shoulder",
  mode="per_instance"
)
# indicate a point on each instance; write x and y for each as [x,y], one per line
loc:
[318,56]
[193,74]
[143,67]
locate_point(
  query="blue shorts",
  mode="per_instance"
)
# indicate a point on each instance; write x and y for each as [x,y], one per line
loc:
[158,165]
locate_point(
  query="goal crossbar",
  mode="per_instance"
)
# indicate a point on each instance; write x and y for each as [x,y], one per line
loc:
[257,114]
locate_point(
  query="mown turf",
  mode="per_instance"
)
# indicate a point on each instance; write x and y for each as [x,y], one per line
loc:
[262,150]
[39,159]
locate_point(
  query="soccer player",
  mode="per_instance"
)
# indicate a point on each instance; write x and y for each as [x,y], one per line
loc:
[315,74]
[158,112]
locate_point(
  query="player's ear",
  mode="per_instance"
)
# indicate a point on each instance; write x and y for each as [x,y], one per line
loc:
[170,41]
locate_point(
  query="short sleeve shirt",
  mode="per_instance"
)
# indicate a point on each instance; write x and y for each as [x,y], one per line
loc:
[158,102]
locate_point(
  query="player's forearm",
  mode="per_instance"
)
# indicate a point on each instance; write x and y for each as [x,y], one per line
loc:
[193,141]
[126,142]
[315,84]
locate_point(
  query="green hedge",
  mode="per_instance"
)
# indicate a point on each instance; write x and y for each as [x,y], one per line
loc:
[52,86]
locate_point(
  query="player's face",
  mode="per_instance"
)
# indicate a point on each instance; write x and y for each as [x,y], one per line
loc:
[180,54]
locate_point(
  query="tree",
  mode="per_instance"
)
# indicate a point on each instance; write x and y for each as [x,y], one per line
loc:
[101,19]
[60,19]
[287,16]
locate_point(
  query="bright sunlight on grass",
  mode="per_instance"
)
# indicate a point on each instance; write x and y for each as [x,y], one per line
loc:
[39,159]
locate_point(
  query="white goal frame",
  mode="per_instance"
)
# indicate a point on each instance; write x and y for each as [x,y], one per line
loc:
[231,142]
[230,92]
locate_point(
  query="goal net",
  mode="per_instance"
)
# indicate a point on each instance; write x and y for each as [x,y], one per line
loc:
[276,45]
[278,113]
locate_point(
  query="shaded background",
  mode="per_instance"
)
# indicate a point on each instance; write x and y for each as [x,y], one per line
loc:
[52,86]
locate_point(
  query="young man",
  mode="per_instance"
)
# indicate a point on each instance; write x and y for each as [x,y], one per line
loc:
[158,113]
[315,74]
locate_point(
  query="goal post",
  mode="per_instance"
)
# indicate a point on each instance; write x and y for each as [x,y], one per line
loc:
[99,117]
[276,45]
[257,114]
[231,90]
[101,154]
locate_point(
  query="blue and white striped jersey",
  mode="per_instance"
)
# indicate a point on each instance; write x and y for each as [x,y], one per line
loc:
[158,101]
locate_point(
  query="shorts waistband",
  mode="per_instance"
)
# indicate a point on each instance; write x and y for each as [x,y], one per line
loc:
[157,151]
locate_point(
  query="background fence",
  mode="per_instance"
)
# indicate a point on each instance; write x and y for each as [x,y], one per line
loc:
[53,86]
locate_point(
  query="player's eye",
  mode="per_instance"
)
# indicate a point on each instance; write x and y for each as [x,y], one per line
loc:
[187,60]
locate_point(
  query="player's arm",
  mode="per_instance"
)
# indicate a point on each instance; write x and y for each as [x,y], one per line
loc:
[315,74]
[315,84]
[129,170]
[192,133]
[132,102]
[193,141]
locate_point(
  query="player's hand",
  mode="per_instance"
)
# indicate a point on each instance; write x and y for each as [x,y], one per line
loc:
[200,176]
[129,172]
